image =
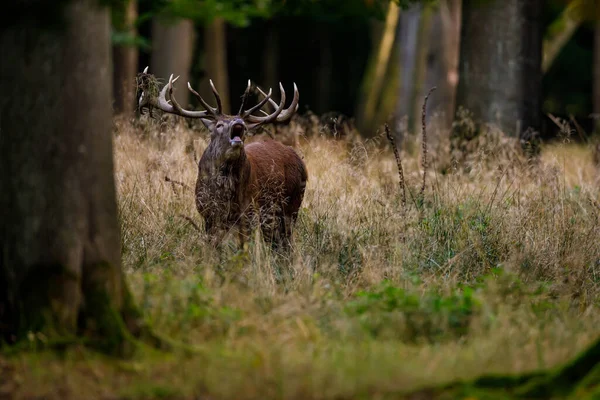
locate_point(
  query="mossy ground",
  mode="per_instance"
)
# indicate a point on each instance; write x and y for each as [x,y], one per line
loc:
[495,272]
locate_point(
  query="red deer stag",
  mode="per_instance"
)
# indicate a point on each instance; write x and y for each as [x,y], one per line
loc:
[241,185]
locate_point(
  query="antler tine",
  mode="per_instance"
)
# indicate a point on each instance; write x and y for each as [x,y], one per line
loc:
[146,70]
[271,101]
[271,117]
[244,97]
[175,108]
[288,112]
[208,108]
[174,102]
[247,113]
[217,97]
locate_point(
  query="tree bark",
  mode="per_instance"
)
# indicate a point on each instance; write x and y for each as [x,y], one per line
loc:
[596,76]
[500,63]
[389,92]
[60,269]
[559,33]
[449,14]
[215,62]
[172,52]
[408,29]
[375,73]
[125,64]
[420,70]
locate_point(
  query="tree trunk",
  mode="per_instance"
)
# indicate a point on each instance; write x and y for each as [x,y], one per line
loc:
[420,70]
[125,64]
[407,54]
[500,63]
[389,92]
[215,62]
[375,73]
[172,51]
[60,269]
[596,76]
[560,31]
[450,11]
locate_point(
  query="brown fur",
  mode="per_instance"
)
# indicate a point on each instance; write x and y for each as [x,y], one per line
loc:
[241,185]
[264,186]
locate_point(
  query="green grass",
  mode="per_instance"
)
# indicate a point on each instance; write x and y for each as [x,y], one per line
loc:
[496,272]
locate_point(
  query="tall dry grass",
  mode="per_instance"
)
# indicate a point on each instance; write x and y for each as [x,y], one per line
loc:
[497,270]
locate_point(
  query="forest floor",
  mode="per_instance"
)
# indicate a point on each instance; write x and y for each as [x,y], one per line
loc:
[495,271]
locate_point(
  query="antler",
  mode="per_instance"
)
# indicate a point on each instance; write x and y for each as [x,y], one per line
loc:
[286,114]
[280,114]
[166,102]
[162,103]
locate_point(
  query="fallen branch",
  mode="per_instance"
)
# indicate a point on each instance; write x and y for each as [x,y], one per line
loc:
[191,221]
[173,182]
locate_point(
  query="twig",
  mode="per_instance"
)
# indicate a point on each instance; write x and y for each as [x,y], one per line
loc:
[580,130]
[399,164]
[183,185]
[424,144]
[191,221]
[565,128]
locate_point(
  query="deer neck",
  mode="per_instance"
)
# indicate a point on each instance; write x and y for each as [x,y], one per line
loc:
[227,175]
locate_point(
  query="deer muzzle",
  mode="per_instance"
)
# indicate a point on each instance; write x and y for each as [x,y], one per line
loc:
[237,133]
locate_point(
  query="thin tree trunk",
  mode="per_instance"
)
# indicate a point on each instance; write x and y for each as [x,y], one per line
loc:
[125,64]
[596,94]
[389,92]
[60,269]
[375,73]
[559,33]
[215,62]
[172,51]
[500,63]
[450,11]
[407,51]
[420,70]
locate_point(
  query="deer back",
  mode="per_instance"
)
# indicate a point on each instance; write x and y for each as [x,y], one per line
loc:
[277,174]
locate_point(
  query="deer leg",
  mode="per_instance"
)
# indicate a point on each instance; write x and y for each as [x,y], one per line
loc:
[284,233]
[212,231]
[243,233]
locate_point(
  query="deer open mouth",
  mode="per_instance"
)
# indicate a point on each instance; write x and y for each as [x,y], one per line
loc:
[237,131]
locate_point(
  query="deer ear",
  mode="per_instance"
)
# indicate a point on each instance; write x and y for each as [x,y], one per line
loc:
[209,124]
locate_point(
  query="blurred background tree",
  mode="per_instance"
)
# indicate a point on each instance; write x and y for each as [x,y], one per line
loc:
[500,64]
[372,60]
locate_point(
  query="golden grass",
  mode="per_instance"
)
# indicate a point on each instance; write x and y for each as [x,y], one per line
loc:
[497,271]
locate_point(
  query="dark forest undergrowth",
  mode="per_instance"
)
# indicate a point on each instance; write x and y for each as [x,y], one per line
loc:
[495,271]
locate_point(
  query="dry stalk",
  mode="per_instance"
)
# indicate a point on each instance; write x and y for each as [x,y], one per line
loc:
[580,130]
[185,187]
[173,182]
[424,143]
[399,164]
[191,221]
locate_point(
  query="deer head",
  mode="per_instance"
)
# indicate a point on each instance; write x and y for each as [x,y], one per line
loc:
[227,132]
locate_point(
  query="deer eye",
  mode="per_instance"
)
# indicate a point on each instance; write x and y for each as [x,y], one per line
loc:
[219,128]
